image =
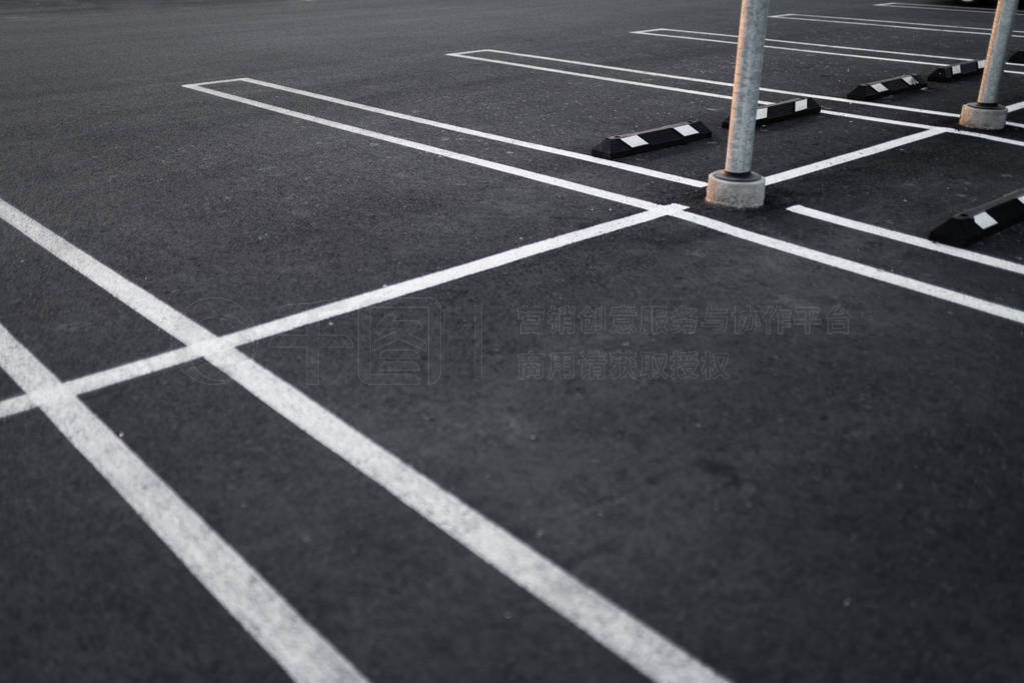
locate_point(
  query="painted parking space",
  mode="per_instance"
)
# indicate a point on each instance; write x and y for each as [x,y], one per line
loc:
[552,382]
[915,205]
[389,587]
[435,394]
[88,580]
[792,145]
[257,259]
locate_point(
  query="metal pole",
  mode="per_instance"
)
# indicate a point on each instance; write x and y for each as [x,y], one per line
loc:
[737,185]
[987,113]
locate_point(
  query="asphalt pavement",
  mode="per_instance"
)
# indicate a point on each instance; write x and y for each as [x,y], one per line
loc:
[329,352]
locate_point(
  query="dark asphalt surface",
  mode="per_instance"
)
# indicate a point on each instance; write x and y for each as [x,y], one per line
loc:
[792,472]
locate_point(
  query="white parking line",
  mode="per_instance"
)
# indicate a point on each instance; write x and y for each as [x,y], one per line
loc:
[438,151]
[832,50]
[886,23]
[851,156]
[169,359]
[475,55]
[637,644]
[620,632]
[934,291]
[110,377]
[937,8]
[731,38]
[986,136]
[176,357]
[295,645]
[897,236]
[590,159]
[828,112]
[187,354]
[634,642]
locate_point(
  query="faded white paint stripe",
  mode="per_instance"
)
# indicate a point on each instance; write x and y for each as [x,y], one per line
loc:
[430,149]
[851,156]
[897,236]
[620,632]
[901,281]
[295,645]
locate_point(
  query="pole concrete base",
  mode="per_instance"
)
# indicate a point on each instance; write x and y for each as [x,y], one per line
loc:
[983,116]
[735,191]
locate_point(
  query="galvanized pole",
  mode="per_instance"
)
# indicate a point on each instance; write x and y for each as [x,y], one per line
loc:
[987,113]
[737,185]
